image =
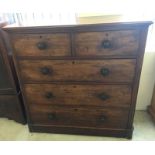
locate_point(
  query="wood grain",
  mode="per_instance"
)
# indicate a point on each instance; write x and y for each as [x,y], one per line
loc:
[58,44]
[122,43]
[72,71]
[86,117]
[11,103]
[78,70]
[11,107]
[79,95]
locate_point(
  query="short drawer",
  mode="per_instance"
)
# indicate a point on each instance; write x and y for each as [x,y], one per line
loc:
[54,44]
[114,70]
[82,95]
[108,43]
[83,117]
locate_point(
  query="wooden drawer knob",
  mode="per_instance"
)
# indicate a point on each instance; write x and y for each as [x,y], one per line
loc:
[45,70]
[106,44]
[49,95]
[52,116]
[42,45]
[103,96]
[102,118]
[105,71]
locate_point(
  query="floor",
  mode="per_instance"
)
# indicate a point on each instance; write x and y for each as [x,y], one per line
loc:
[144,129]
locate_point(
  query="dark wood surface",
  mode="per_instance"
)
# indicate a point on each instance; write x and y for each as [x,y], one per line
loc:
[6,80]
[54,44]
[79,95]
[5,83]
[119,70]
[121,43]
[11,103]
[11,107]
[85,117]
[79,75]
[111,132]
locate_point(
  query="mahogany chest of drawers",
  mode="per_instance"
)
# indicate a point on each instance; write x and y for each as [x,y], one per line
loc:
[11,104]
[80,79]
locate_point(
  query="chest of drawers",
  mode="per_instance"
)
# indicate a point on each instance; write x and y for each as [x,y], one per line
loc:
[11,104]
[80,79]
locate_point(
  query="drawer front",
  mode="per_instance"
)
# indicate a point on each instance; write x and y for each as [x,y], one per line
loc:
[5,82]
[108,43]
[9,105]
[114,70]
[82,95]
[83,117]
[56,44]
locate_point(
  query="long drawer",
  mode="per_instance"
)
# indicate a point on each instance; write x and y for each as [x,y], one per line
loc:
[52,44]
[107,43]
[85,117]
[112,70]
[79,95]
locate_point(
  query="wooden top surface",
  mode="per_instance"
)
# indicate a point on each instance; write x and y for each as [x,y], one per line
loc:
[2,24]
[74,23]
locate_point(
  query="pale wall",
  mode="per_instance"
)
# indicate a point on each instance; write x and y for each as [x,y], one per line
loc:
[147,81]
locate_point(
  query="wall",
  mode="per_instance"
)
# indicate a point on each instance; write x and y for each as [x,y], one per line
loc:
[147,81]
